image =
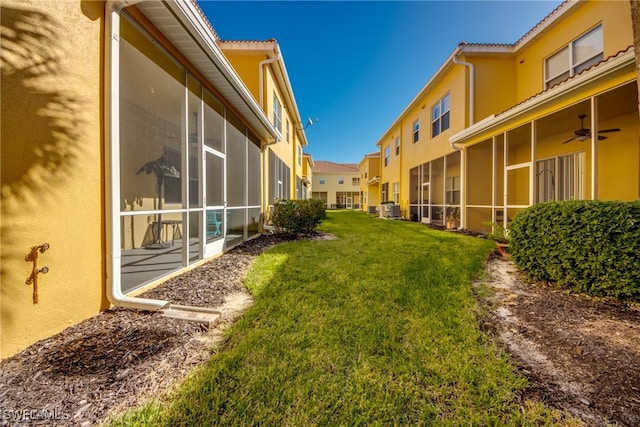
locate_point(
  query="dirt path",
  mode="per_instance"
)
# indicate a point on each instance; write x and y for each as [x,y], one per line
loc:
[581,354]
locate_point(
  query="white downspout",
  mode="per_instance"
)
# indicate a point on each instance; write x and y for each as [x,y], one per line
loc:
[265,158]
[112,155]
[463,166]
[261,77]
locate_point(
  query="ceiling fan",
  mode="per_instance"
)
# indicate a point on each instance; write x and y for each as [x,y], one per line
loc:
[583,134]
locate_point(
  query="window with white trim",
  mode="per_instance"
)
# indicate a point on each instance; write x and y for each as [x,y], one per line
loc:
[355,181]
[452,190]
[397,146]
[387,155]
[440,116]
[288,130]
[396,192]
[416,131]
[582,53]
[277,113]
[321,181]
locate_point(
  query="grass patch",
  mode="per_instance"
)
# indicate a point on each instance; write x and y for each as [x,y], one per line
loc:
[375,328]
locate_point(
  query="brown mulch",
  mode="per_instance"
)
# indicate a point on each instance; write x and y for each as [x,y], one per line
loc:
[118,358]
[581,354]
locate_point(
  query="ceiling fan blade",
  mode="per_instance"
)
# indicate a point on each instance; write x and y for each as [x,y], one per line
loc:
[609,130]
[600,137]
[569,140]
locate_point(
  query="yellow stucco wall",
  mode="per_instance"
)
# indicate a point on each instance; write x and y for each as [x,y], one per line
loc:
[247,65]
[331,185]
[52,160]
[615,17]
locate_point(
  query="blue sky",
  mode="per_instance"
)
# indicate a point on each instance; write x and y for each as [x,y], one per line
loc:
[355,65]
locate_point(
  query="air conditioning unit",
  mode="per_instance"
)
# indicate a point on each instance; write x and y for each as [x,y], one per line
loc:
[373,209]
[390,210]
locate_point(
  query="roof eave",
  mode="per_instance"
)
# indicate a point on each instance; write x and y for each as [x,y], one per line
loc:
[550,95]
[197,41]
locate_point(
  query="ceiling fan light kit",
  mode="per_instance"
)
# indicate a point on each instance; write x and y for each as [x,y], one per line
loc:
[583,133]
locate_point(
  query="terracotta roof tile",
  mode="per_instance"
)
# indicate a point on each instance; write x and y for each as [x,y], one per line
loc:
[322,166]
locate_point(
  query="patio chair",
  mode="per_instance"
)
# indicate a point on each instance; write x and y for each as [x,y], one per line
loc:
[213,224]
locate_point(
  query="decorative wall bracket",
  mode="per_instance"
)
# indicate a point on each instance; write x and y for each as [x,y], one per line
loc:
[33,277]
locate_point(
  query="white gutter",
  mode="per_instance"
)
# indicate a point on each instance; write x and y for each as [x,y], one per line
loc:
[112,153]
[471,86]
[462,150]
[261,77]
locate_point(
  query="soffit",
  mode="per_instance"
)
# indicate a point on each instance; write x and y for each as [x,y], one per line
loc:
[183,24]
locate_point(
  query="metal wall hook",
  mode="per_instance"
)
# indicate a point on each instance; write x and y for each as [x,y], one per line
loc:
[32,257]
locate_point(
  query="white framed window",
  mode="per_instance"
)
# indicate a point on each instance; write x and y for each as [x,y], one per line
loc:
[396,192]
[387,155]
[321,181]
[561,178]
[299,155]
[440,116]
[452,190]
[340,180]
[385,191]
[572,59]
[355,181]
[397,146]
[288,131]
[277,113]
[416,131]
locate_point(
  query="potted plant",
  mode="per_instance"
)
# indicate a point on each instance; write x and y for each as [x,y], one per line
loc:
[452,218]
[500,234]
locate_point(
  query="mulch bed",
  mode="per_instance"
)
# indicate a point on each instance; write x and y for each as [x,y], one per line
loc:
[120,357]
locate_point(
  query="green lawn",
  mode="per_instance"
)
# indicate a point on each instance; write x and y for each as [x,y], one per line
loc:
[378,327]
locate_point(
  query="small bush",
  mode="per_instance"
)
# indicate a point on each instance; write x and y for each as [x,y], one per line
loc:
[295,217]
[588,246]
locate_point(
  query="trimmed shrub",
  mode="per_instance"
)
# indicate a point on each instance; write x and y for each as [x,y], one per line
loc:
[295,217]
[588,246]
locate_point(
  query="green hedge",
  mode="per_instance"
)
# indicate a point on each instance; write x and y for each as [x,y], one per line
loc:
[295,217]
[587,246]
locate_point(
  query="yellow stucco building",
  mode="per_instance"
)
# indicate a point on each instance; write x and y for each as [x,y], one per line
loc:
[498,128]
[369,168]
[261,66]
[337,184]
[132,150]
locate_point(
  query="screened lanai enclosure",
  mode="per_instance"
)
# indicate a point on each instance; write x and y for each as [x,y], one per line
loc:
[188,168]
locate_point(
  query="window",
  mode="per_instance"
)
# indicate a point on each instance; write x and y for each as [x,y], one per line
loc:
[440,116]
[452,190]
[387,155]
[416,131]
[277,113]
[561,178]
[396,192]
[299,155]
[355,181]
[579,55]
[279,178]
[340,180]
[385,191]
[321,181]
[397,146]
[288,130]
